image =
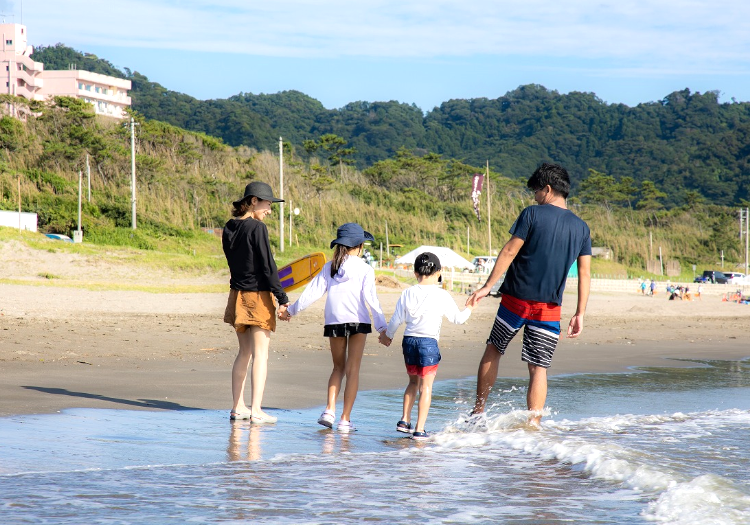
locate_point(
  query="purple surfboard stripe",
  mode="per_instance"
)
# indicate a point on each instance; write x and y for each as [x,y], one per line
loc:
[285,271]
[287,282]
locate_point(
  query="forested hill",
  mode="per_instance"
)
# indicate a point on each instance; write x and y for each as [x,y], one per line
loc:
[687,141]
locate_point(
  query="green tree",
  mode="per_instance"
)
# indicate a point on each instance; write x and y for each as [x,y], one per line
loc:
[650,197]
[598,188]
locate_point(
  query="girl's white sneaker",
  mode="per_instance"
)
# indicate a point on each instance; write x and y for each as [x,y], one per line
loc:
[326,419]
[345,426]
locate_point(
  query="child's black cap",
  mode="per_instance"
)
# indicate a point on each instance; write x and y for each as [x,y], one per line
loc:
[427,263]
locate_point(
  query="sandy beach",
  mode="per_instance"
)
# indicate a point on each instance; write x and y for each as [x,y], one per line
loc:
[67,346]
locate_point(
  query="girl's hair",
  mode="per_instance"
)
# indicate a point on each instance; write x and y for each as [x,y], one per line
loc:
[340,253]
[241,208]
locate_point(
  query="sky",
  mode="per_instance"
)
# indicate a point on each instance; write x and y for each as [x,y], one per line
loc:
[423,52]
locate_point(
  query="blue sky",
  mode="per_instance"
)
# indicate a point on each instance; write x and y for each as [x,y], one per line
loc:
[422,52]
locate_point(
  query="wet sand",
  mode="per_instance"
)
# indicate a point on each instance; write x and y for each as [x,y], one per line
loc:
[68,347]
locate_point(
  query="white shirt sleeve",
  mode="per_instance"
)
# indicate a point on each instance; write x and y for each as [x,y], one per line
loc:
[452,312]
[371,298]
[313,291]
[396,319]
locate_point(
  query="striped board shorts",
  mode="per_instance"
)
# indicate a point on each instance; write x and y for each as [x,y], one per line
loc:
[541,332]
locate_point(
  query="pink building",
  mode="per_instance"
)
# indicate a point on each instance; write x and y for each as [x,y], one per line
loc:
[23,76]
[28,79]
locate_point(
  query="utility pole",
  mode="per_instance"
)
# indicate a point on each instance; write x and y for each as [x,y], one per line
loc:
[489,217]
[19,203]
[281,194]
[132,168]
[78,234]
[88,175]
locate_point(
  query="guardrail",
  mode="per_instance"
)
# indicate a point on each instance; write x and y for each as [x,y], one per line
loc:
[465,282]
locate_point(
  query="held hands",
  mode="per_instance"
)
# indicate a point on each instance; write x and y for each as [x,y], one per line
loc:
[477,296]
[384,339]
[284,312]
[576,326]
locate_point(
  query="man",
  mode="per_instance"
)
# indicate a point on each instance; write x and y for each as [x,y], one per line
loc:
[545,241]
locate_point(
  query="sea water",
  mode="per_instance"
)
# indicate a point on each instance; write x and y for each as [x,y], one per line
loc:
[658,445]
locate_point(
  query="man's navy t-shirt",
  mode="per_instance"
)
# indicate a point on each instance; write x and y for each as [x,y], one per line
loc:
[553,239]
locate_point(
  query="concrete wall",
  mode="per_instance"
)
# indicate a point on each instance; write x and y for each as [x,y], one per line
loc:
[10,219]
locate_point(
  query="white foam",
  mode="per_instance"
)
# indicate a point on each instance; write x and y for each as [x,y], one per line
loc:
[705,500]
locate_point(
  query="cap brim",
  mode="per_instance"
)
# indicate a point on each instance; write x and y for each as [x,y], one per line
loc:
[368,236]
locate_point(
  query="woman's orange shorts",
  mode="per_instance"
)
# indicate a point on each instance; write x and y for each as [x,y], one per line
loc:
[250,309]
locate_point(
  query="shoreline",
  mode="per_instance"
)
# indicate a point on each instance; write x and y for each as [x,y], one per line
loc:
[70,347]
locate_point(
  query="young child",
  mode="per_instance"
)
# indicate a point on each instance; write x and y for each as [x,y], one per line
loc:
[422,307]
[350,283]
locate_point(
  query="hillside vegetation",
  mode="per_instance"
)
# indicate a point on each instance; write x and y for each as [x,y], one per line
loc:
[686,142]
[187,180]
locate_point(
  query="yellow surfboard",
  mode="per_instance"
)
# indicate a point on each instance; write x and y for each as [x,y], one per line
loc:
[300,272]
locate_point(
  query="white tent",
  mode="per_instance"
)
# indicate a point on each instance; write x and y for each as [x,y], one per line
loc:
[448,258]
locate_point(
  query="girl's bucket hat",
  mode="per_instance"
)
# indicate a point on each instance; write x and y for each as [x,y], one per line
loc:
[350,235]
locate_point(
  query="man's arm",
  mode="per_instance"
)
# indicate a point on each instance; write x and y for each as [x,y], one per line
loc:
[584,286]
[506,256]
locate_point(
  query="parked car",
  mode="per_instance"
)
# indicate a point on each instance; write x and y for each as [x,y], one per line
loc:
[712,276]
[483,263]
[58,237]
[736,278]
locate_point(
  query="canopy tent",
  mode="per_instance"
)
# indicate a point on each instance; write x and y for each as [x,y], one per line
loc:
[448,258]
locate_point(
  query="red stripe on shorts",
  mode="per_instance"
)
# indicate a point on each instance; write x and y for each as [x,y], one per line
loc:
[532,310]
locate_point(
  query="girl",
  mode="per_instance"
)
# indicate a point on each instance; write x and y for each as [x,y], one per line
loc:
[253,281]
[422,308]
[350,283]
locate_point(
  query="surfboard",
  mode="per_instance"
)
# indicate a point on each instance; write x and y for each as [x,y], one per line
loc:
[300,272]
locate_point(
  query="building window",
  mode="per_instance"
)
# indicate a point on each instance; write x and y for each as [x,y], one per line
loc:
[88,87]
[9,42]
[7,68]
[7,84]
[80,85]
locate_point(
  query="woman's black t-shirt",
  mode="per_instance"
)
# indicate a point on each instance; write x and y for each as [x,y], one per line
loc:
[248,253]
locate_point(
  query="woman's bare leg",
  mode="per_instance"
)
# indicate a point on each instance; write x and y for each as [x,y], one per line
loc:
[261,339]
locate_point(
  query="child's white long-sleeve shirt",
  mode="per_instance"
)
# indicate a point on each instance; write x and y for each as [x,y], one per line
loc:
[350,292]
[422,308]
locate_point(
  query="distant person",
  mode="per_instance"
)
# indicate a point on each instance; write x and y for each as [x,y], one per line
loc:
[643,287]
[652,287]
[253,283]
[699,292]
[545,241]
[422,308]
[350,284]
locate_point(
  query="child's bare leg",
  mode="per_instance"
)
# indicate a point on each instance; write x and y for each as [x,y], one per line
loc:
[410,395]
[425,399]
[338,354]
[356,348]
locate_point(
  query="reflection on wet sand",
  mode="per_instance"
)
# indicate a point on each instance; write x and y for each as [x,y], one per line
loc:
[330,439]
[242,448]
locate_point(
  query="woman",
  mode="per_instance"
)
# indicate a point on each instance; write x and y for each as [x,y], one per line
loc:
[350,284]
[254,280]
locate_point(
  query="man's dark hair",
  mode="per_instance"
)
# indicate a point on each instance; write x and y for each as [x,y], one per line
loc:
[554,175]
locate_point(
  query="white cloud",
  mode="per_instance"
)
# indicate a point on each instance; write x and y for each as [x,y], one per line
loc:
[678,34]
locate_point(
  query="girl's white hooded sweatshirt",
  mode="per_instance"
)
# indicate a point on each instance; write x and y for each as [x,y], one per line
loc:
[350,292]
[422,307]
